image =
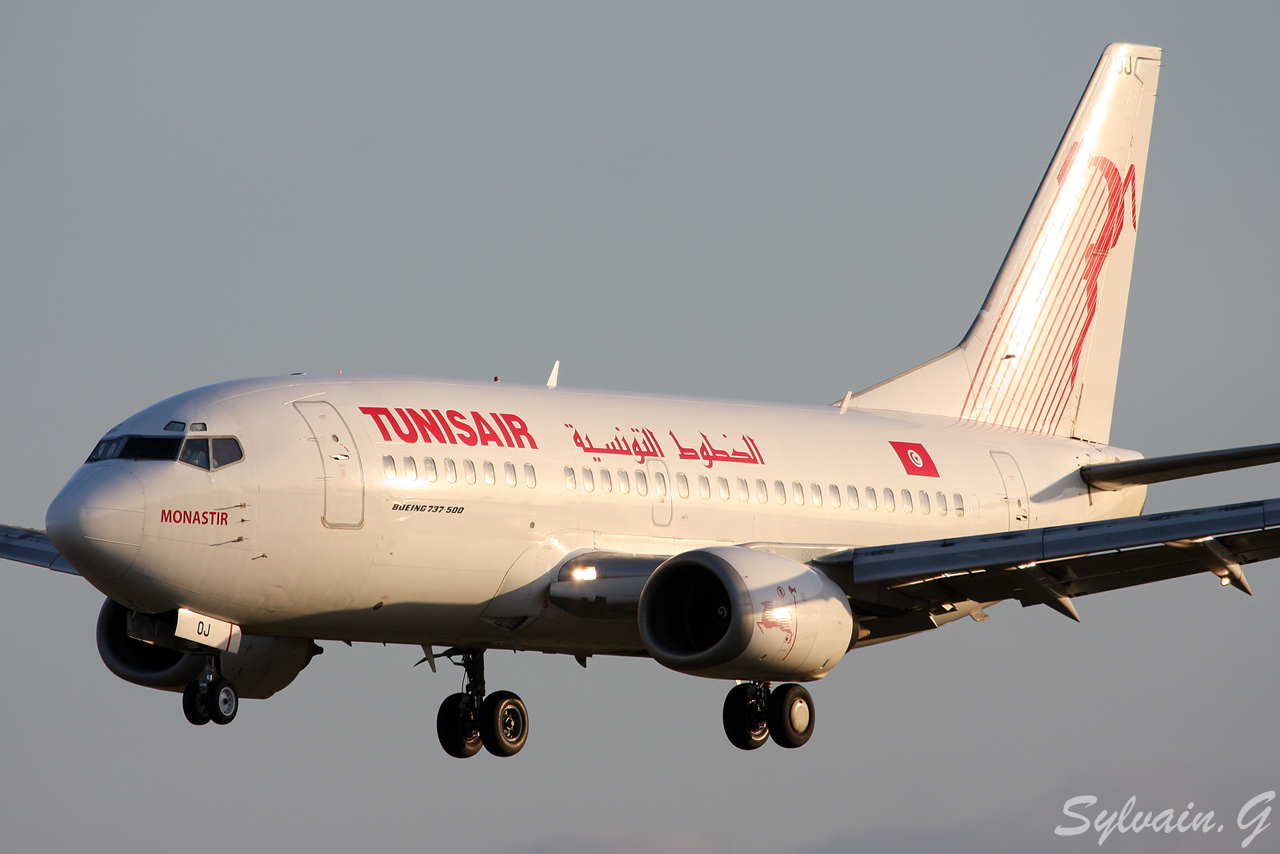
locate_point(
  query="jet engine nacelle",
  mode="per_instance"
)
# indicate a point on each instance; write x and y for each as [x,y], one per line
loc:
[738,613]
[261,668]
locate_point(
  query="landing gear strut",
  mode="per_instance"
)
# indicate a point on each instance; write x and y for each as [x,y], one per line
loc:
[469,720]
[210,697]
[753,713]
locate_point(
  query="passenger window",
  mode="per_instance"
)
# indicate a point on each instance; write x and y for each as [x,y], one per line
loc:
[226,452]
[530,476]
[834,492]
[196,452]
[410,469]
[642,483]
[659,483]
[682,484]
[941,498]
[388,466]
[958,503]
[723,483]
[429,469]
[606,481]
[762,492]
[797,493]
[704,486]
[871,498]
[570,480]
[624,485]
[744,491]
[888,500]
[588,481]
[815,492]
[780,490]
[906,501]
[450,471]
[509,473]
[469,471]
[852,492]
[924,502]
[490,476]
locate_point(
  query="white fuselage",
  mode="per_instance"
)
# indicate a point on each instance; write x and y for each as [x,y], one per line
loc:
[437,512]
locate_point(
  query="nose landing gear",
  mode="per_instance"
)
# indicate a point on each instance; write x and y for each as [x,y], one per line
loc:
[469,720]
[753,713]
[210,697]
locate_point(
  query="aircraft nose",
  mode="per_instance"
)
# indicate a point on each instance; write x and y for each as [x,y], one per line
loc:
[96,522]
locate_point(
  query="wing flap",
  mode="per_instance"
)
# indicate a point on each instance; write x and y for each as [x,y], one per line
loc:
[1051,566]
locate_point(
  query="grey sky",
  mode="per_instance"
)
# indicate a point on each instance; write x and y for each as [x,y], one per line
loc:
[742,200]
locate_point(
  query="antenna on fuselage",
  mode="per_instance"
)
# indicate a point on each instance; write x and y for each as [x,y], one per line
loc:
[555,375]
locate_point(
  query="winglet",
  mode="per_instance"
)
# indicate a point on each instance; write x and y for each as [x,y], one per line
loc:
[554,379]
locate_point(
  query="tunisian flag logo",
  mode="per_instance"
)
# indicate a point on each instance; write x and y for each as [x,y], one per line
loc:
[915,459]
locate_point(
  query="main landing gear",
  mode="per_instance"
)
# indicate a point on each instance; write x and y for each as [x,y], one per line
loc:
[753,713]
[210,697]
[469,720]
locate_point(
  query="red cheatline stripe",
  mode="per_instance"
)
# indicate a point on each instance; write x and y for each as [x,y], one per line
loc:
[1051,342]
[982,374]
[1003,329]
[1024,405]
[1027,387]
[1107,241]
[982,380]
[1055,341]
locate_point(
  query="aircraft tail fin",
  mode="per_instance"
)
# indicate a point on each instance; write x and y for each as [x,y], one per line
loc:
[1044,351]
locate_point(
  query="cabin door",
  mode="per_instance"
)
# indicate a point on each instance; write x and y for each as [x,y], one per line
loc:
[340,462]
[1015,491]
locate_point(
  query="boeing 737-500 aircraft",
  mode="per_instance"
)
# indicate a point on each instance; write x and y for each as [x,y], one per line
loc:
[233,526]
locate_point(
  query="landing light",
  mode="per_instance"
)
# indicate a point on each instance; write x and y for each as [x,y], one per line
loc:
[584,573]
[1226,580]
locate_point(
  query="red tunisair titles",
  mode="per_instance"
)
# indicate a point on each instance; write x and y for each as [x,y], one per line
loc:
[451,427]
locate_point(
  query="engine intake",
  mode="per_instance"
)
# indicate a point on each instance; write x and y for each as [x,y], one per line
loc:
[738,613]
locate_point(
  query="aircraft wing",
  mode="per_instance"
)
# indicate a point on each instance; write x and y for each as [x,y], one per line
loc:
[908,586]
[25,545]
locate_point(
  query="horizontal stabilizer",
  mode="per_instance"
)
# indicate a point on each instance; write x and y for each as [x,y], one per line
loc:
[1119,475]
[25,545]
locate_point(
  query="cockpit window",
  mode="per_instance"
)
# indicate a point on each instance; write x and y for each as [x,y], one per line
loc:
[107,449]
[176,426]
[195,452]
[226,452]
[148,448]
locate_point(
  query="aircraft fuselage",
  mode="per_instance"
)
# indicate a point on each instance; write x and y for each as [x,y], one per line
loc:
[436,512]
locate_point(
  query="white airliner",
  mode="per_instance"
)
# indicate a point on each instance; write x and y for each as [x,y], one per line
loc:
[232,526]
